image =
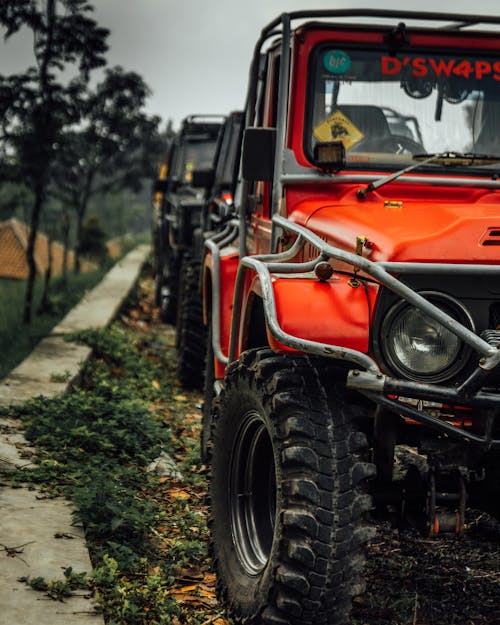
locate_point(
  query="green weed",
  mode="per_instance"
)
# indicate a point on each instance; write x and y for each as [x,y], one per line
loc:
[60,377]
[59,589]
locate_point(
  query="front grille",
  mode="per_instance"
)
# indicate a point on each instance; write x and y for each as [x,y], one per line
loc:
[492,237]
[492,337]
[495,316]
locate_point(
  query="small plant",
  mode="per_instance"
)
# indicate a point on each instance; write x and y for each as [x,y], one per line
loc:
[138,599]
[59,589]
[61,377]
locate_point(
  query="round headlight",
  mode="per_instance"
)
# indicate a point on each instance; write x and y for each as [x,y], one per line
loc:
[420,348]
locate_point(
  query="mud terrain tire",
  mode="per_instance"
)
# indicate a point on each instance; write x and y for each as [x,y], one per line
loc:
[191,332]
[208,396]
[288,493]
[168,290]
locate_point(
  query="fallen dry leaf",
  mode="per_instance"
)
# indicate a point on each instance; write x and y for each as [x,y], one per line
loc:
[178,493]
[206,592]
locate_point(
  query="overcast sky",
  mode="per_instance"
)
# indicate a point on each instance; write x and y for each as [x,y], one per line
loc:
[195,54]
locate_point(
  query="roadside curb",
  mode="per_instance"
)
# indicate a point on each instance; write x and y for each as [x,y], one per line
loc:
[32,526]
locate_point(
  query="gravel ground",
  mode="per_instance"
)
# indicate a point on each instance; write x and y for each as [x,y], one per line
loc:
[442,581]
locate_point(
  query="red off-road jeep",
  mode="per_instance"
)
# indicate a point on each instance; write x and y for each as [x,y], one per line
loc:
[355,303]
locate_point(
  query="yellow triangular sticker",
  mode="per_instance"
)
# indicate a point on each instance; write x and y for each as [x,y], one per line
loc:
[338,127]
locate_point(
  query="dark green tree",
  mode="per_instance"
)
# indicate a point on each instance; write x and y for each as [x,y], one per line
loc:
[52,226]
[93,241]
[15,201]
[40,104]
[115,147]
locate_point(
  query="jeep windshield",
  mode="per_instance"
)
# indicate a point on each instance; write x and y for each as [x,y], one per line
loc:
[385,108]
[195,153]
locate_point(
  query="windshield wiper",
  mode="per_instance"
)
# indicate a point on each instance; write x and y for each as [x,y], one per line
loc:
[448,159]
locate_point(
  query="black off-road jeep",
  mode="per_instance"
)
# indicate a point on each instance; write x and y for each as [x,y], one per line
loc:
[179,204]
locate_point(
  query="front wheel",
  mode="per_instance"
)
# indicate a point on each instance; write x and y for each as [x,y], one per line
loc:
[288,500]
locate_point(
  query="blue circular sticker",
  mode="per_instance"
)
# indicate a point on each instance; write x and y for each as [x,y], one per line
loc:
[337,62]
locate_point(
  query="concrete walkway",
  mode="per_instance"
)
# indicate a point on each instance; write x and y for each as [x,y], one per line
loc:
[36,534]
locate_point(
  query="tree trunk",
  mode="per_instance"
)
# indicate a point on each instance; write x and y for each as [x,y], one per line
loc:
[80,214]
[65,237]
[44,305]
[30,254]
[45,137]
[79,229]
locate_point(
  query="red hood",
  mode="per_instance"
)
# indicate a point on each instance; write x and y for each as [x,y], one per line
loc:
[410,229]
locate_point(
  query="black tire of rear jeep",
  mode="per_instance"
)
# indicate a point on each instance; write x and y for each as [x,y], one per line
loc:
[191,332]
[168,276]
[157,289]
[157,266]
[168,300]
[208,396]
[287,493]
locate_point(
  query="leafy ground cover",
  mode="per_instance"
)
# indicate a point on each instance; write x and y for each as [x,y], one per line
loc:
[18,340]
[148,533]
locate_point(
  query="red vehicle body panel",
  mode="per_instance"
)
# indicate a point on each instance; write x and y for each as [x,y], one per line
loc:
[228,270]
[401,226]
[305,306]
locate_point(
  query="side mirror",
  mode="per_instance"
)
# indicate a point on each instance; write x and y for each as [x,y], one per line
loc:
[257,154]
[160,185]
[203,178]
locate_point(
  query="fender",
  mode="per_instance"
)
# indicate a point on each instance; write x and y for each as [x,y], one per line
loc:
[227,268]
[331,312]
